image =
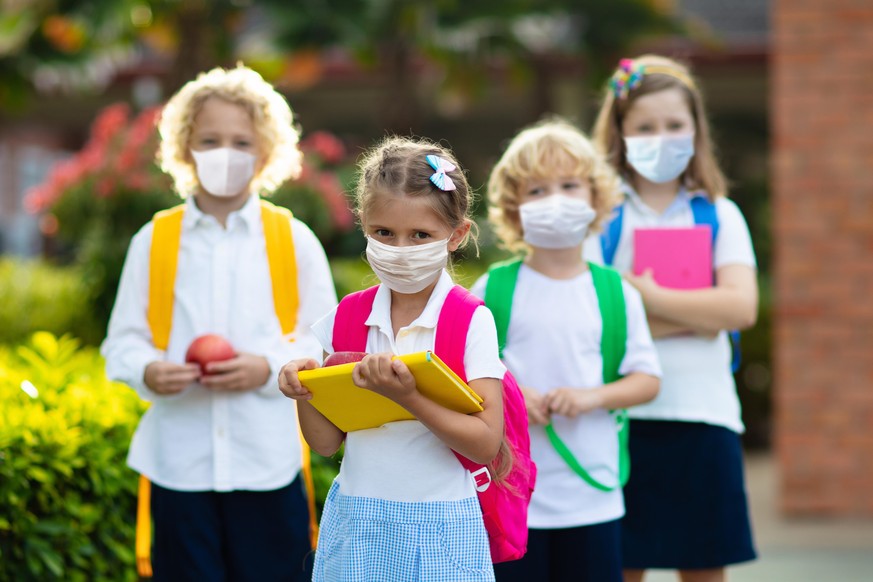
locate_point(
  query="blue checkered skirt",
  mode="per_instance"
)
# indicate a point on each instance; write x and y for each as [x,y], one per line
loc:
[363,539]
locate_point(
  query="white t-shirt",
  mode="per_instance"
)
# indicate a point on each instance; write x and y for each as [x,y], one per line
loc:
[698,385]
[553,341]
[404,461]
[206,440]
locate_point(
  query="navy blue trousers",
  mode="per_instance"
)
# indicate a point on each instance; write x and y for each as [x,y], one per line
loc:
[206,536]
[590,553]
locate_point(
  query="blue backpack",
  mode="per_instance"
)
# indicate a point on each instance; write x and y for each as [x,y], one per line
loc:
[704,213]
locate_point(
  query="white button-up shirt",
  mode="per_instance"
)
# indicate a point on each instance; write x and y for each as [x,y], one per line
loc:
[198,439]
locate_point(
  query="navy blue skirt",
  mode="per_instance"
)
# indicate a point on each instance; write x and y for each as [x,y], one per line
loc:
[685,500]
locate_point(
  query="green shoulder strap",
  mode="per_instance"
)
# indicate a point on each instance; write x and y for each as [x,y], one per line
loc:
[499,290]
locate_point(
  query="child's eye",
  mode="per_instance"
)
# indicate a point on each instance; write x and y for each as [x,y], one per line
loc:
[676,126]
[421,235]
[645,128]
[382,232]
[535,191]
[243,144]
[570,185]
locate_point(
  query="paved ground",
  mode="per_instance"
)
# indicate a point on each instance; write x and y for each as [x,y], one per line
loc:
[797,550]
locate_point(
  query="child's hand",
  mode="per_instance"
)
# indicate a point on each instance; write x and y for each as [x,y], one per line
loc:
[573,401]
[537,410]
[289,382]
[170,378]
[384,375]
[644,283]
[244,372]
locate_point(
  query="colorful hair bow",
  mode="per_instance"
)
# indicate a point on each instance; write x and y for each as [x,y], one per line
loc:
[440,177]
[628,77]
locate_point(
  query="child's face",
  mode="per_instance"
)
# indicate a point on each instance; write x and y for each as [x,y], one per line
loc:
[408,220]
[221,124]
[662,113]
[572,186]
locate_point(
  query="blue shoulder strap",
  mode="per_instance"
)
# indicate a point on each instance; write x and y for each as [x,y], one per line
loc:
[611,235]
[703,210]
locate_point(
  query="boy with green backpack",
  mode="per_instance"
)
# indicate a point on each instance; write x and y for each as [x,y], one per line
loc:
[576,338]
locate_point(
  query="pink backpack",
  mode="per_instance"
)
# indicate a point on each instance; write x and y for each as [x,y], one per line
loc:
[504,505]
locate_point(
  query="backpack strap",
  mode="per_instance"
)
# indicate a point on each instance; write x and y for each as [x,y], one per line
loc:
[611,235]
[283,264]
[163,259]
[499,291]
[704,212]
[613,344]
[450,342]
[350,324]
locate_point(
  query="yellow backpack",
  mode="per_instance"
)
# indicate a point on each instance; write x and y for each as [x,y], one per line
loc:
[163,260]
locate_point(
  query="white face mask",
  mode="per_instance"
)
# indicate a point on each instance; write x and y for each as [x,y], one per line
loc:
[407,269]
[224,172]
[660,158]
[556,222]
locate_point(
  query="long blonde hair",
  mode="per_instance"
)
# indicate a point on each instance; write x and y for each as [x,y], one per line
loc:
[661,73]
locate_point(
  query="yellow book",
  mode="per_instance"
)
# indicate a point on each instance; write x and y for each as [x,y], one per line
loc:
[335,395]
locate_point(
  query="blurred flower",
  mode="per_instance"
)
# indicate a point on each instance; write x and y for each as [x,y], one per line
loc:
[326,145]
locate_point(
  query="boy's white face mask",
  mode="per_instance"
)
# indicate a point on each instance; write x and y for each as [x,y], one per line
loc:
[407,269]
[224,172]
[660,158]
[556,221]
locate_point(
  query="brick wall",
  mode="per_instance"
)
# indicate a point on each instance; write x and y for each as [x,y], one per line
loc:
[822,121]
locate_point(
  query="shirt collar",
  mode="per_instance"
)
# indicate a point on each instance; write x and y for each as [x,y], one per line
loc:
[380,316]
[683,197]
[249,215]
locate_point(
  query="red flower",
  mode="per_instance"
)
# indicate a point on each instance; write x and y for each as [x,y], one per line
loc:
[326,145]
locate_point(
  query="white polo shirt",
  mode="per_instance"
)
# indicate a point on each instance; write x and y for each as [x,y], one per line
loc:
[404,461]
[553,341]
[200,440]
[697,385]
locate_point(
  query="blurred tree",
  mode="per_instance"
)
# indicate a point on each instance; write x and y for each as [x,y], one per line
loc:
[72,45]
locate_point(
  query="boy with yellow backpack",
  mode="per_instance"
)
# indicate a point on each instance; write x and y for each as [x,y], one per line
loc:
[218,449]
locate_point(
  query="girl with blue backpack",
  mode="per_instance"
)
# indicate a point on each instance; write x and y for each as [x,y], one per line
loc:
[402,506]
[576,339]
[686,500]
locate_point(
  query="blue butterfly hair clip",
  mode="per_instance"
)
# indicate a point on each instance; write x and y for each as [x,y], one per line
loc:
[440,177]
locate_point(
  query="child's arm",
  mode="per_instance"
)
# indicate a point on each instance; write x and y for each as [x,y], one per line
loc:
[476,436]
[731,304]
[321,434]
[633,389]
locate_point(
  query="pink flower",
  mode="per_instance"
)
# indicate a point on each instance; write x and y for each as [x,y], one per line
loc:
[326,145]
[333,194]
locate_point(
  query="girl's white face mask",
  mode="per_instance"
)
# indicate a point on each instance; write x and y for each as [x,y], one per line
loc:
[224,172]
[407,269]
[556,221]
[660,158]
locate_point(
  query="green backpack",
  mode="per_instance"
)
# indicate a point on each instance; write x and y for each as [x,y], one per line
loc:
[499,291]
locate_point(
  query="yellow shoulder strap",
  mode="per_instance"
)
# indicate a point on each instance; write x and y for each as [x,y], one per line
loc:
[283,264]
[163,261]
[164,256]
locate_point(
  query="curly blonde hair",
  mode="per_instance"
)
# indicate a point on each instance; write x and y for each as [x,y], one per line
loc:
[271,115]
[551,148]
[703,172]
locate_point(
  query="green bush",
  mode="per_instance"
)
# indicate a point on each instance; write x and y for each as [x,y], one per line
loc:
[40,296]
[67,497]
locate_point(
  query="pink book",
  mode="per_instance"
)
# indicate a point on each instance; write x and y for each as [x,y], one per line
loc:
[681,258]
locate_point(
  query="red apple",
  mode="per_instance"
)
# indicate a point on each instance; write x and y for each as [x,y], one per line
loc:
[337,358]
[209,348]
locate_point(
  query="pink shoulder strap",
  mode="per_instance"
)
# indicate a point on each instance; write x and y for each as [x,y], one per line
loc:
[350,323]
[452,327]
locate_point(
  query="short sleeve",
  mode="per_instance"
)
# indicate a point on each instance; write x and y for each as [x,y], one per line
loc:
[481,358]
[640,353]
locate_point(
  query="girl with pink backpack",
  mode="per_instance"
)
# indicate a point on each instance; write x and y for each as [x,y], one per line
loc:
[402,506]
